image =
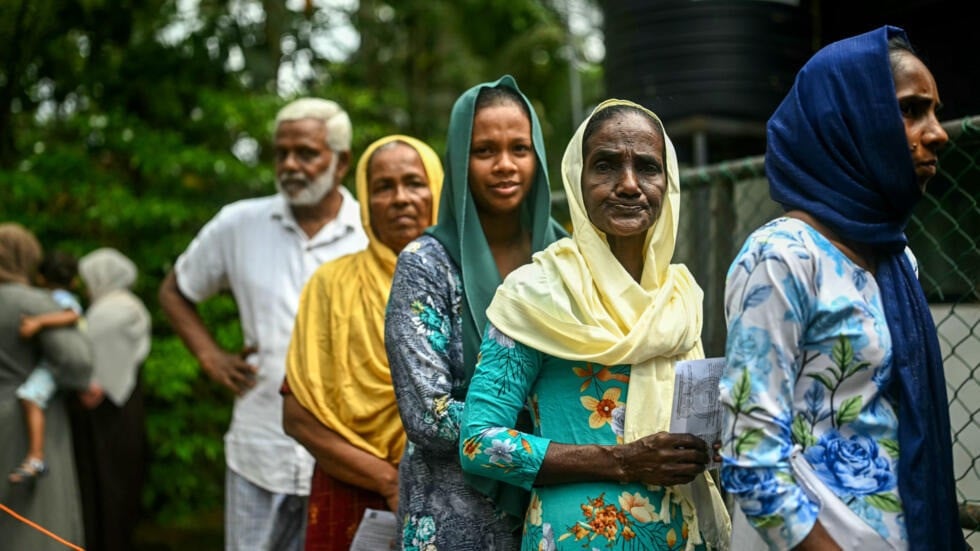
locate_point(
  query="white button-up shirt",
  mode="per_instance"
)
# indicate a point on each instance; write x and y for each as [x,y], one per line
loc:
[255,248]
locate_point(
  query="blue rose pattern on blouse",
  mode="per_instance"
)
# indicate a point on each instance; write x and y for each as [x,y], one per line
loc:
[851,467]
[760,487]
[808,360]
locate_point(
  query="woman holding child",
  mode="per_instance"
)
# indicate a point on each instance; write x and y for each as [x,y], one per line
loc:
[53,500]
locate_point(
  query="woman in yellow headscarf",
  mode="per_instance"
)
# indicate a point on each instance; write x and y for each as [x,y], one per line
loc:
[338,398]
[587,335]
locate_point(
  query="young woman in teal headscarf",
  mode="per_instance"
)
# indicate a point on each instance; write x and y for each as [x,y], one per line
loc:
[494,214]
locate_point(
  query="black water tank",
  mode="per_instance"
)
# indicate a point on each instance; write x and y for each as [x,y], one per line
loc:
[715,58]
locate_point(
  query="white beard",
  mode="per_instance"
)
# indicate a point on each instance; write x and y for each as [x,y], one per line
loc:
[312,192]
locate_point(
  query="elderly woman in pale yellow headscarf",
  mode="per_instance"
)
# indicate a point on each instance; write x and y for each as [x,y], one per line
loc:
[338,398]
[587,335]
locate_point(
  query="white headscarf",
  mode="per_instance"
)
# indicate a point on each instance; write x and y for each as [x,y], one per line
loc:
[118,323]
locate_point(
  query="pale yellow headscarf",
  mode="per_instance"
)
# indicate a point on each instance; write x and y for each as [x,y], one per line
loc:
[576,301]
[337,367]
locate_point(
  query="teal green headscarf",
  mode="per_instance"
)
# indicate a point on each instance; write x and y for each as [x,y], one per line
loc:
[459,229]
[460,232]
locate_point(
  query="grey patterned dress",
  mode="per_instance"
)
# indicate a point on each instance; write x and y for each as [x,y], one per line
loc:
[423,338]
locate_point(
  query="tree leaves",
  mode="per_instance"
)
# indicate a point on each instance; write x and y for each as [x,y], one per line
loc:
[111,135]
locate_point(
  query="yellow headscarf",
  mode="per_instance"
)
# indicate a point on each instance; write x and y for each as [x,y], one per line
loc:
[576,301]
[337,367]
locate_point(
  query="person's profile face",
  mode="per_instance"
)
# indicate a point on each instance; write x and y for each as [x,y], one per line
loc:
[502,162]
[400,199]
[624,177]
[918,100]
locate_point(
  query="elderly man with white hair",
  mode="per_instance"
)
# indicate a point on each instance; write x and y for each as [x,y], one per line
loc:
[263,250]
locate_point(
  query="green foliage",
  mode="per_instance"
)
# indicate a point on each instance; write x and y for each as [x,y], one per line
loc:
[120,128]
[187,421]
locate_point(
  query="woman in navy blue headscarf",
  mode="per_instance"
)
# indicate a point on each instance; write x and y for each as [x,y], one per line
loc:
[837,425]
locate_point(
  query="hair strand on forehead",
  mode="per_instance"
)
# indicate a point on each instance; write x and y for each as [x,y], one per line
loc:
[386,147]
[500,95]
[614,112]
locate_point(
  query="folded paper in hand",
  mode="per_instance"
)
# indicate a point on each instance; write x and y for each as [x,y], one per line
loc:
[697,408]
[377,531]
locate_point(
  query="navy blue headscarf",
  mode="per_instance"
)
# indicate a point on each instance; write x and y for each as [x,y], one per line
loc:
[837,150]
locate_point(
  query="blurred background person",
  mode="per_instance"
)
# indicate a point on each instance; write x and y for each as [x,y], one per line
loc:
[338,398]
[52,502]
[109,428]
[264,250]
[58,274]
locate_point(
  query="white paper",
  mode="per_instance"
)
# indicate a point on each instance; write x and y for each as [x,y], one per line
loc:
[377,531]
[697,408]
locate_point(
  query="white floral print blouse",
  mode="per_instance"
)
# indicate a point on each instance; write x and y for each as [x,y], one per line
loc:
[808,368]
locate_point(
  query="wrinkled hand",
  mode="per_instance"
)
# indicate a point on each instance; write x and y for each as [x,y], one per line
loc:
[665,459]
[92,396]
[29,327]
[231,370]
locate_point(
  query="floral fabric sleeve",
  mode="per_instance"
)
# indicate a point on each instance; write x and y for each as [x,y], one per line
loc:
[500,385]
[766,305]
[421,320]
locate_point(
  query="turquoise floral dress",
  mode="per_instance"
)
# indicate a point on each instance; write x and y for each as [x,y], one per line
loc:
[808,366]
[571,402]
[439,511]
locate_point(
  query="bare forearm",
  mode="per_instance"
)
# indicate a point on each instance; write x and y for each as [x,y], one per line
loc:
[817,540]
[335,455]
[566,463]
[663,458]
[61,318]
[356,467]
[228,370]
[185,320]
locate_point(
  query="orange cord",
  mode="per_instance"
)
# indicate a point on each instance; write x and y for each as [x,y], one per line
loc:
[40,528]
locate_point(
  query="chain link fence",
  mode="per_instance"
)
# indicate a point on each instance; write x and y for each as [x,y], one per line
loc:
[722,204]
